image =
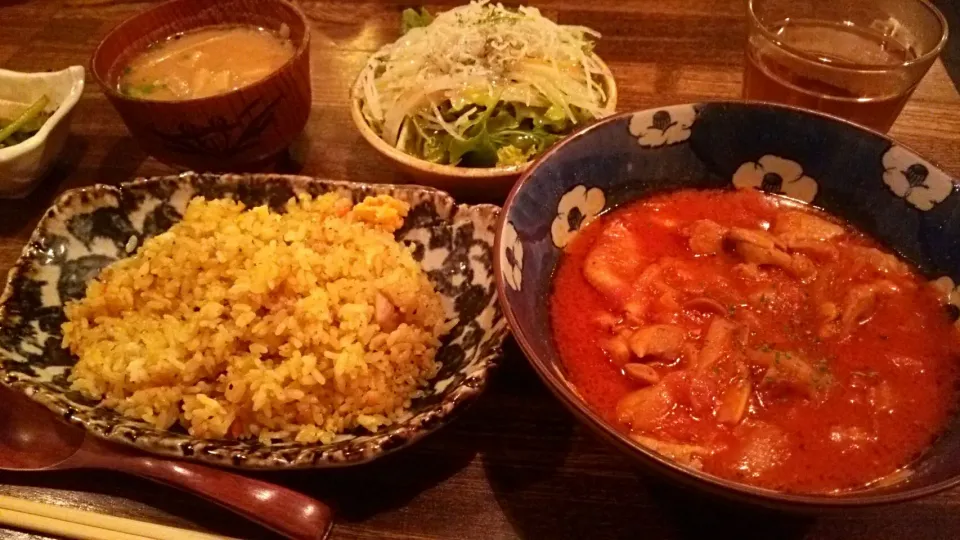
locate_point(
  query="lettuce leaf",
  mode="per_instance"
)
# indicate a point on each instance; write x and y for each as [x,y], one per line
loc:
[478,148]
[511,155]
[410,19]
[498,134]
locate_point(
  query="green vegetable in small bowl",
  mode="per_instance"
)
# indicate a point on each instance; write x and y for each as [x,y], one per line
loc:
[16,128]
[35,115]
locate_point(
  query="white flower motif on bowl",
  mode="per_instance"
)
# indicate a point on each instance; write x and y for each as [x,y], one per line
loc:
[774,174]
[577,208]
[663,126]
[913,179]
[511,257]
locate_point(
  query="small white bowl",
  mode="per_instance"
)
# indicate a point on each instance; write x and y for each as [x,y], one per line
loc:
[22,165]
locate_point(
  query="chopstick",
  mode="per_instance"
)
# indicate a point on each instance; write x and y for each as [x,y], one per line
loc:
[66,529]
[84,525]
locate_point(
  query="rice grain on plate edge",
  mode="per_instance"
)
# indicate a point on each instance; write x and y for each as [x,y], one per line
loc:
[250,323]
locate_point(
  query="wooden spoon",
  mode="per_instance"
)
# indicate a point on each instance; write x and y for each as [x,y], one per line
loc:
[32,439]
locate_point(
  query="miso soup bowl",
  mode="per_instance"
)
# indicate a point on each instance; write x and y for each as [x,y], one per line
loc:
[234,131]
[863,177]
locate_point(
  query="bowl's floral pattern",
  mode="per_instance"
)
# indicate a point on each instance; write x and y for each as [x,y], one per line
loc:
[774,174]
[883,189]
[219,136]
[661,127]
[912,178]
[89,228]
[576,209]
[511,257]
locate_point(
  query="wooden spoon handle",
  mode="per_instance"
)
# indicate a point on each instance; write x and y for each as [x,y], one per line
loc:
[277,508]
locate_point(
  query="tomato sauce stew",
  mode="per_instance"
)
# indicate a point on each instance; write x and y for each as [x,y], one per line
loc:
[755,339]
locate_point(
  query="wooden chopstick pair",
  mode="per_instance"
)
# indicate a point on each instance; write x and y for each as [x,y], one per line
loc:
[83,525]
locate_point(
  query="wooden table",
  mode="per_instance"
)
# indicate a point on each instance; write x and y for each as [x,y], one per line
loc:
[516,464]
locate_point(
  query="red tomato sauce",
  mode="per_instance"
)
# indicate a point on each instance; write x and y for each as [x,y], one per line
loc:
[842,390]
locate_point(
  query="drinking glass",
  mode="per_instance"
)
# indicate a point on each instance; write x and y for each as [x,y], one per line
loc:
[857,59]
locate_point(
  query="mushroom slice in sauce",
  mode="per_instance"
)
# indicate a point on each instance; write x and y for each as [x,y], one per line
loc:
[706,305]
[641,373]
[733,404]
[717,343]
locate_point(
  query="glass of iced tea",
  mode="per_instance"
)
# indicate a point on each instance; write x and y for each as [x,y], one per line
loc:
[857,59]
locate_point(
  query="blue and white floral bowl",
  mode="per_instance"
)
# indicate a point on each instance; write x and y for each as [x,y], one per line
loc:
[884,189]
[89,228]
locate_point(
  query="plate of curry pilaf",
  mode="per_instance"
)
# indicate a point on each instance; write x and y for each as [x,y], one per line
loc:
[242,314]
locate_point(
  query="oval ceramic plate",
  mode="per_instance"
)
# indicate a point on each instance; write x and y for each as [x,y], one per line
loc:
[877,185]
[89,228]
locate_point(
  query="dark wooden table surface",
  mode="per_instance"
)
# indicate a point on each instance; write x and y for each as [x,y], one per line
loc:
[516,464]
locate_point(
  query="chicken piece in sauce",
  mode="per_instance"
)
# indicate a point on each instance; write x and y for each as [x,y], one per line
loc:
[612,262]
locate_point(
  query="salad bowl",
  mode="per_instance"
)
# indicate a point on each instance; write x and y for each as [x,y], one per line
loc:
[471,183]
[467,98]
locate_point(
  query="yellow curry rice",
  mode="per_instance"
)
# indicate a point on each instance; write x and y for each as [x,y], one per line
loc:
[251,323]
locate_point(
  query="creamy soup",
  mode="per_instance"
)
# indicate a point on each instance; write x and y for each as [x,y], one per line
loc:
[205,62]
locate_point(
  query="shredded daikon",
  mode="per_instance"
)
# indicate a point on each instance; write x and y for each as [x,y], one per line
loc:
[481,54]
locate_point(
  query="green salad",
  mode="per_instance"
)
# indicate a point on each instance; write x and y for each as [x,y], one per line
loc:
[18,123]
[483,85]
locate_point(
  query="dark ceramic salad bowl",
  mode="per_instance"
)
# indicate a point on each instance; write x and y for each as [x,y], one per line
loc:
[89,228]
[865,178]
